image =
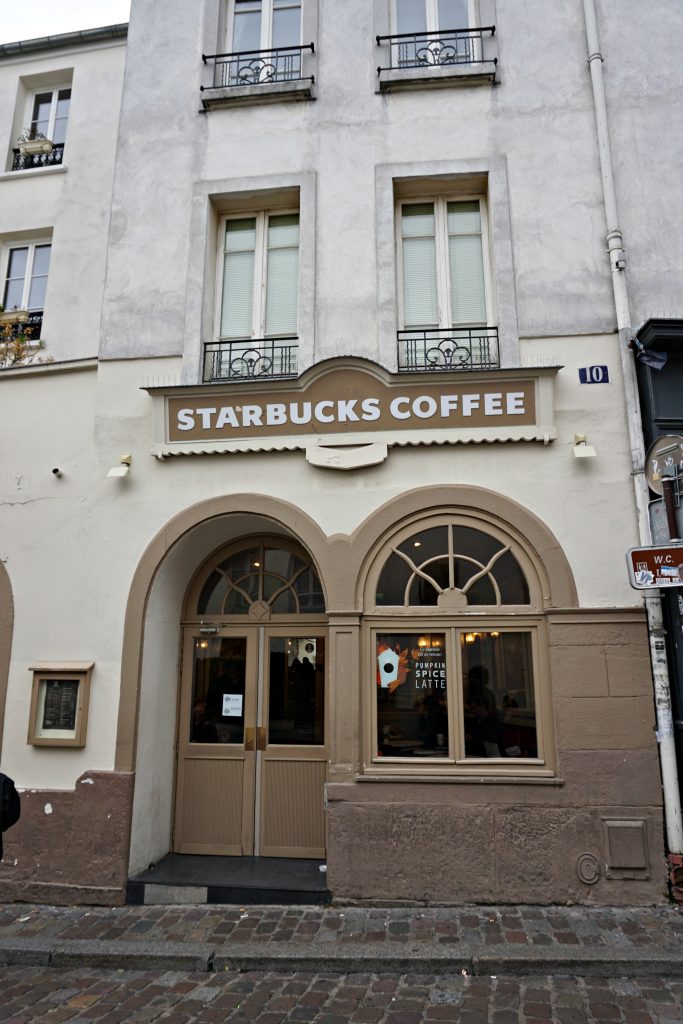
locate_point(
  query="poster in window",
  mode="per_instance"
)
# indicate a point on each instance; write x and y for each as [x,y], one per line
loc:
[412,700]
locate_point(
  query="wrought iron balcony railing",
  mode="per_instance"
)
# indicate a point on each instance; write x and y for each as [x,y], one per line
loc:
[436,49]
[265,358]
[258,67]
[27,161]
[451,348]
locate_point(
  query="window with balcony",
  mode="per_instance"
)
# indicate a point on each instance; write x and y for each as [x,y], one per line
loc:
[264,47]
[25,284]
[444,289]
[41,143]
[256,319]
[436,34]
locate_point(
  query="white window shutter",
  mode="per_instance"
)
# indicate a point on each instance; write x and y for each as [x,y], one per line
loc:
[420,299]
[238,279]
[466,264]
[282,275]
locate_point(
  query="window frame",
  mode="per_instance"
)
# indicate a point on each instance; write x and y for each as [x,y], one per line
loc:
[55,90]
[432,16]
[260,285]
[267,9]
[31,245]
[456,763]
[70,672]
[528,619]
[443,282]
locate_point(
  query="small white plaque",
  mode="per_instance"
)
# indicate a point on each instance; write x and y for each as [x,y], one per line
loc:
[232,705]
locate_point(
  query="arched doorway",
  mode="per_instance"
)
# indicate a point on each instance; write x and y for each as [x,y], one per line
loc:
[252,751]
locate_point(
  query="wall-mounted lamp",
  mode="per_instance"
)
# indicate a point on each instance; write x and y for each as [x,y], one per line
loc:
[123,469]
[583,450]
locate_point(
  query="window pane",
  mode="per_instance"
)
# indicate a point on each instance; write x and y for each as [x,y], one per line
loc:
[36,295]
[420,302]
[40,119]
[14,294]
[453,14]
[411,16]
[282,275]
[247,28]
[282,562]
[16,273]
[238,278]
[511,581]
[41,260]
[393,580]
[464,218]
[63,101]
[309,592]
[412,699]
[217,714]
[296,691]
[41,263]
[426,544]
[498,695]
[286,27]
[468,295]
[213,594]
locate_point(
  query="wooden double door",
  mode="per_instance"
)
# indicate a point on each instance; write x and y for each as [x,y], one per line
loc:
[252,754]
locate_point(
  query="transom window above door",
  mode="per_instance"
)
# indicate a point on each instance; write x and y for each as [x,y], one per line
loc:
[259,580]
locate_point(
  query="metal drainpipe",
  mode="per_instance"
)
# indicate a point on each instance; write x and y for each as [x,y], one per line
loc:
[653,603]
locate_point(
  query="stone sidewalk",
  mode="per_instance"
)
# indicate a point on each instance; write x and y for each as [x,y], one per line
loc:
[598,942]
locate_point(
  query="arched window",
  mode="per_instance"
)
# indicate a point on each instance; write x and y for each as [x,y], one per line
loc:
[259,579]
[452,608]
[451,566]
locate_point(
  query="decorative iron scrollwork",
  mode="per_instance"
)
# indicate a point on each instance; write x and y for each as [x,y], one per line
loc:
[436,53]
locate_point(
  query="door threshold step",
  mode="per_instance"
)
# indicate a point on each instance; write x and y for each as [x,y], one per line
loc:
[192,879]
[153,894]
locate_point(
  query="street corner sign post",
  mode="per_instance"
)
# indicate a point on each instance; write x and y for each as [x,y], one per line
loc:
[653,568]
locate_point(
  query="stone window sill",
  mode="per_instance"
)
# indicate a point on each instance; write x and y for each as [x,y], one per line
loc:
[33,172]
[250,95]
[437,77]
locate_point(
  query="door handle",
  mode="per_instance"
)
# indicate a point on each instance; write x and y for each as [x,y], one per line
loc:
[249,741]
[261,737]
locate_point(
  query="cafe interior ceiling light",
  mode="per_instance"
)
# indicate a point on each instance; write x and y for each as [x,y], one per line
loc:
[470,638]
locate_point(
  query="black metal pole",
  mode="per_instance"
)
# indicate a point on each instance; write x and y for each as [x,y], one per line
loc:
[670,506]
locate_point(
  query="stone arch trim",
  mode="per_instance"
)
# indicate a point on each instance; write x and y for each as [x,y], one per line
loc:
[554,572]
[300,525]
[6,628]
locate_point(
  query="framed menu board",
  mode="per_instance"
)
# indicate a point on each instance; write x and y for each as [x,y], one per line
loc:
[59,704]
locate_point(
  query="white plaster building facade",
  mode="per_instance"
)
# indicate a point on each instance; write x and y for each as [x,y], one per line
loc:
[330,230]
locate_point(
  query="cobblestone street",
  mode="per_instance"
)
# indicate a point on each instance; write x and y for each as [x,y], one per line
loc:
[30,994]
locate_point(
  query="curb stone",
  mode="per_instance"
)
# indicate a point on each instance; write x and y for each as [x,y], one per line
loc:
[183,956]
[349,958]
